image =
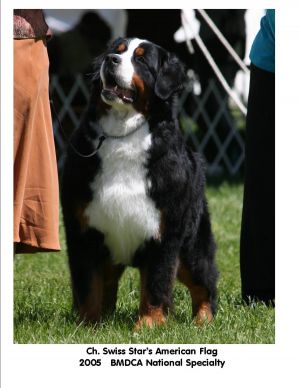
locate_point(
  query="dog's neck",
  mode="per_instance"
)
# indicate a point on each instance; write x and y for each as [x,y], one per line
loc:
[121,122]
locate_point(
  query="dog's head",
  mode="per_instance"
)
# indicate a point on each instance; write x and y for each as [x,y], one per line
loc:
[134,72]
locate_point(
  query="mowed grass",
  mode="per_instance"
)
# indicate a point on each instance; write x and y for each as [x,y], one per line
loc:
[43,306]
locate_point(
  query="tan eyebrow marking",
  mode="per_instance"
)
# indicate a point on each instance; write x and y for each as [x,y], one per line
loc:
[139,51]
[121,47]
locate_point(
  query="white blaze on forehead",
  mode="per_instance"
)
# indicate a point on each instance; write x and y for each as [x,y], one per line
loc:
[125,70]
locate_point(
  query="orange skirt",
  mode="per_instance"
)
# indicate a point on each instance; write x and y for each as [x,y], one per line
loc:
[36,195]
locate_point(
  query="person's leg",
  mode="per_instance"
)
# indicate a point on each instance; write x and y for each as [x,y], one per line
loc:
[257,251]
[36,194]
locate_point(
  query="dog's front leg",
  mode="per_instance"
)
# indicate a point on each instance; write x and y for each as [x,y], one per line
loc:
[157,275]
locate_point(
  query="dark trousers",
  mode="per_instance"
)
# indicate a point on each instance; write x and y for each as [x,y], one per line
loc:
[257,251]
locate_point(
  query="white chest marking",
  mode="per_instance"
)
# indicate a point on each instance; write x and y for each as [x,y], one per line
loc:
[120,208]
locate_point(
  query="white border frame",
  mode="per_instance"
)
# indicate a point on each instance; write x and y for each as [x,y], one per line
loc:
[246,365]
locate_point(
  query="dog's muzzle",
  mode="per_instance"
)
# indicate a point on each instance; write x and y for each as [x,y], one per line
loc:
[112,85]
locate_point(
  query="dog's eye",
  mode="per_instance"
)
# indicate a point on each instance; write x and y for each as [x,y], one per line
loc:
[121,48]
[140,58]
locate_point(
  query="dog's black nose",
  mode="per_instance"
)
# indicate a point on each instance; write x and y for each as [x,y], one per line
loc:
[114,59]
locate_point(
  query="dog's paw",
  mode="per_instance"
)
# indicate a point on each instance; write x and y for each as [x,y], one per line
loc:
[155,317]
[203,315]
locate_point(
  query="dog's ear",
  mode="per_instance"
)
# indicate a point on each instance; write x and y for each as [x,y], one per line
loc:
[171,77]
[97,62]
[95,103]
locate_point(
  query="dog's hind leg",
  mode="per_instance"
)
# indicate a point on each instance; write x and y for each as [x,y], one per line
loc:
[197,270]
[202,309]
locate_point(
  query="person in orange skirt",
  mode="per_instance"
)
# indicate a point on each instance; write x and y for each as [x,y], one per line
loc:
[36,194]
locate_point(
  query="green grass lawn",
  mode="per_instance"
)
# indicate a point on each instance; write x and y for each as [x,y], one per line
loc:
[42,296]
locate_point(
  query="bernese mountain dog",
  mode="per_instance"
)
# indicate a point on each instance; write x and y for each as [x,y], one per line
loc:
[139,200]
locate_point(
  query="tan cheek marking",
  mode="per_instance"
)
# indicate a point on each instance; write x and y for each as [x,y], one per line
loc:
[139,83]
[142,104]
